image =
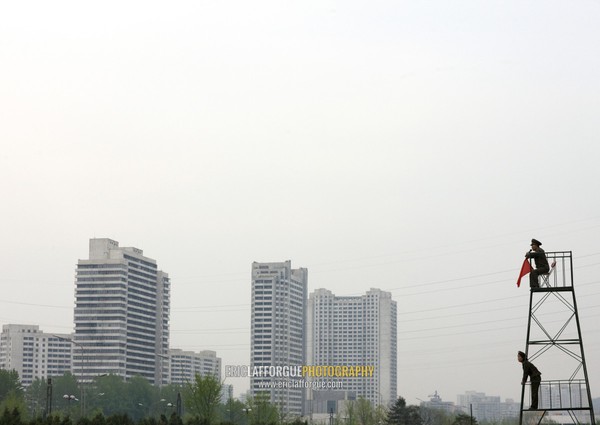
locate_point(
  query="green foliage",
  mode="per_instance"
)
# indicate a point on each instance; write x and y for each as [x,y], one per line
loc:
[119,419]
[110,395]
[510,421]
[175,420]
[365,414]
[297,421]
[262,411]
[14,402]
[10,417]
[232,413]
[36,397]
[432,416]
[169,394]
[401,414]
[350,413]
[107,395]
[12,399]
[144,397]
[98,419]
[9,382]
[66,385]
[109,401]
[202,398]
[464,419]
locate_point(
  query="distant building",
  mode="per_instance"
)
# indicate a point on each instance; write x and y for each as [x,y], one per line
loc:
[122,304]
[487,408]
[436,402]
[33,353]
[562,395]
[324,402]
[355,331]
[278,329]
[185,365]
[227,397]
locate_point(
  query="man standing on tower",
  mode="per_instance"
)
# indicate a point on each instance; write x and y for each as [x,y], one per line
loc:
[541,263]
[529,370]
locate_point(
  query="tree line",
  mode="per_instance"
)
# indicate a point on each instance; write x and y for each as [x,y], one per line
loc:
[109,400]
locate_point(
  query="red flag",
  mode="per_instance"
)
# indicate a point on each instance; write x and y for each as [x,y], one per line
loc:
[525,268]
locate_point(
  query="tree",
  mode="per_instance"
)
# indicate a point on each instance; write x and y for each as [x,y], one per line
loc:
[142,397]
[169,394]
[401,414]
[12,400]
[381,413]
[464,419]
[9,382]
[65,385]
[232,412]
[15,403]
[119,419]
[433,416]
[202,397]
[36,396]
[365,414]
[108,395]
[174,419]
[262,411]
[10,417]
[350,412]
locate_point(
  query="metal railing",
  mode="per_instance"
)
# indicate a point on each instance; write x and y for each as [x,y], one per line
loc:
[562,395]
[561,270]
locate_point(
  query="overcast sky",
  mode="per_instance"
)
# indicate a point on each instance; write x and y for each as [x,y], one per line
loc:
[412,146]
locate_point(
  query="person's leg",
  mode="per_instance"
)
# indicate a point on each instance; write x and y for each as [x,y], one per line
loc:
[535,389]
[542,271]
[533,279]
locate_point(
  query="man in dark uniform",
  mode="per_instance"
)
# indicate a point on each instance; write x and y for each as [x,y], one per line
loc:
[541,263]
[529,370]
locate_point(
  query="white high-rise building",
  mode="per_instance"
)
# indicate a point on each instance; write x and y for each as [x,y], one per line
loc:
[356,331]
[185,365]
[121,314]
[33,353]
[278,329]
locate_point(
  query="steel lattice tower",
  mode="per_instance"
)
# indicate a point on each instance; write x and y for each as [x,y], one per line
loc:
[554,343]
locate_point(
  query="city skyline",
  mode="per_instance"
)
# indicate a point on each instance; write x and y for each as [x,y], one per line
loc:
[414,147]
[240,390]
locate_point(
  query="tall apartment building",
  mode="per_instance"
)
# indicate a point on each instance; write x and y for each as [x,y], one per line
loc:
[185,365]
[33,353]
[122,306]
[278,329]
[355,331]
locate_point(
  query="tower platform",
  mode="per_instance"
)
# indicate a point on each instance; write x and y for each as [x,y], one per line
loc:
[555,345]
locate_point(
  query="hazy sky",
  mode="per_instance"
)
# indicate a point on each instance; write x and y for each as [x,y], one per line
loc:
[412,146]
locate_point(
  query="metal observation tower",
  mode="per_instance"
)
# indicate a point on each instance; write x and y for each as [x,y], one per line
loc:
[555,345]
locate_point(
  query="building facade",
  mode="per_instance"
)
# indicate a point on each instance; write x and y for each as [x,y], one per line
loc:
[122,306]
[436,402]
[356,331]
[33,353]
[279,295]
[487,408]
[185,365]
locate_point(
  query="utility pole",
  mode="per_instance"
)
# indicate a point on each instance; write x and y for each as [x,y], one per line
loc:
[48,410]
[80,380]
[179,412]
